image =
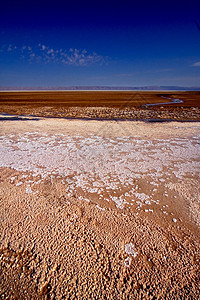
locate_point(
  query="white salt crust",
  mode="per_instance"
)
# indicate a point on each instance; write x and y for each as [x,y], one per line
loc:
[99,167]
[129,249]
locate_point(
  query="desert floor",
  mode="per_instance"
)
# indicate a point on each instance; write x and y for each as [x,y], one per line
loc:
[109,105]
[99,209]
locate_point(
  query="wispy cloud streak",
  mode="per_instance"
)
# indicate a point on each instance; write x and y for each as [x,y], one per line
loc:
[196,64]
[44,54]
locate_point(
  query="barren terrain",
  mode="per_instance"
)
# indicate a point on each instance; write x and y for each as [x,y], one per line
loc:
[104,104]
[103,208]
[99,210]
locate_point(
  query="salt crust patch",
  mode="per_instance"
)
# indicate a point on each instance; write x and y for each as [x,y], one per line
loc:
[127,261]
[101,167]
[101,208]
[129,249]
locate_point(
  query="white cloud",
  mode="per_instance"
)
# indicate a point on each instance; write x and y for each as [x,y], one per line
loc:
[50,51]
[82,58]
[73,56]
[44,54]
[196,64]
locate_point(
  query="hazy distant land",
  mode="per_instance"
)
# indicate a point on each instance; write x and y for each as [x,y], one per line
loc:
[98,88]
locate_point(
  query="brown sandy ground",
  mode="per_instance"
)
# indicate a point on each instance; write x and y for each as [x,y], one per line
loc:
[102,104]
[53,247]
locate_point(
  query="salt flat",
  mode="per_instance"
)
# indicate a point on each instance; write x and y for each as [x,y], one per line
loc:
[125,162]
[142,174]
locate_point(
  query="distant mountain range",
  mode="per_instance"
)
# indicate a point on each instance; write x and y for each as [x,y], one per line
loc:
[102,88]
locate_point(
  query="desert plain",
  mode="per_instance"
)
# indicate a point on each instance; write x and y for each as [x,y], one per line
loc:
[99,195]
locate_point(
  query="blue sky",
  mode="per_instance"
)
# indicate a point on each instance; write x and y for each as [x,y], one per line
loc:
[99,43]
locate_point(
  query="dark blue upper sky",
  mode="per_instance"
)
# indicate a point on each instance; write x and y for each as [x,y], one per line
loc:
[99,43]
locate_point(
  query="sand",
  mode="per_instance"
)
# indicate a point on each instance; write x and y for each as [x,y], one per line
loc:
[109,105]
[99,210]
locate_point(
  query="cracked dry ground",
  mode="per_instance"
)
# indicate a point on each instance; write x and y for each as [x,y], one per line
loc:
[61,240]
